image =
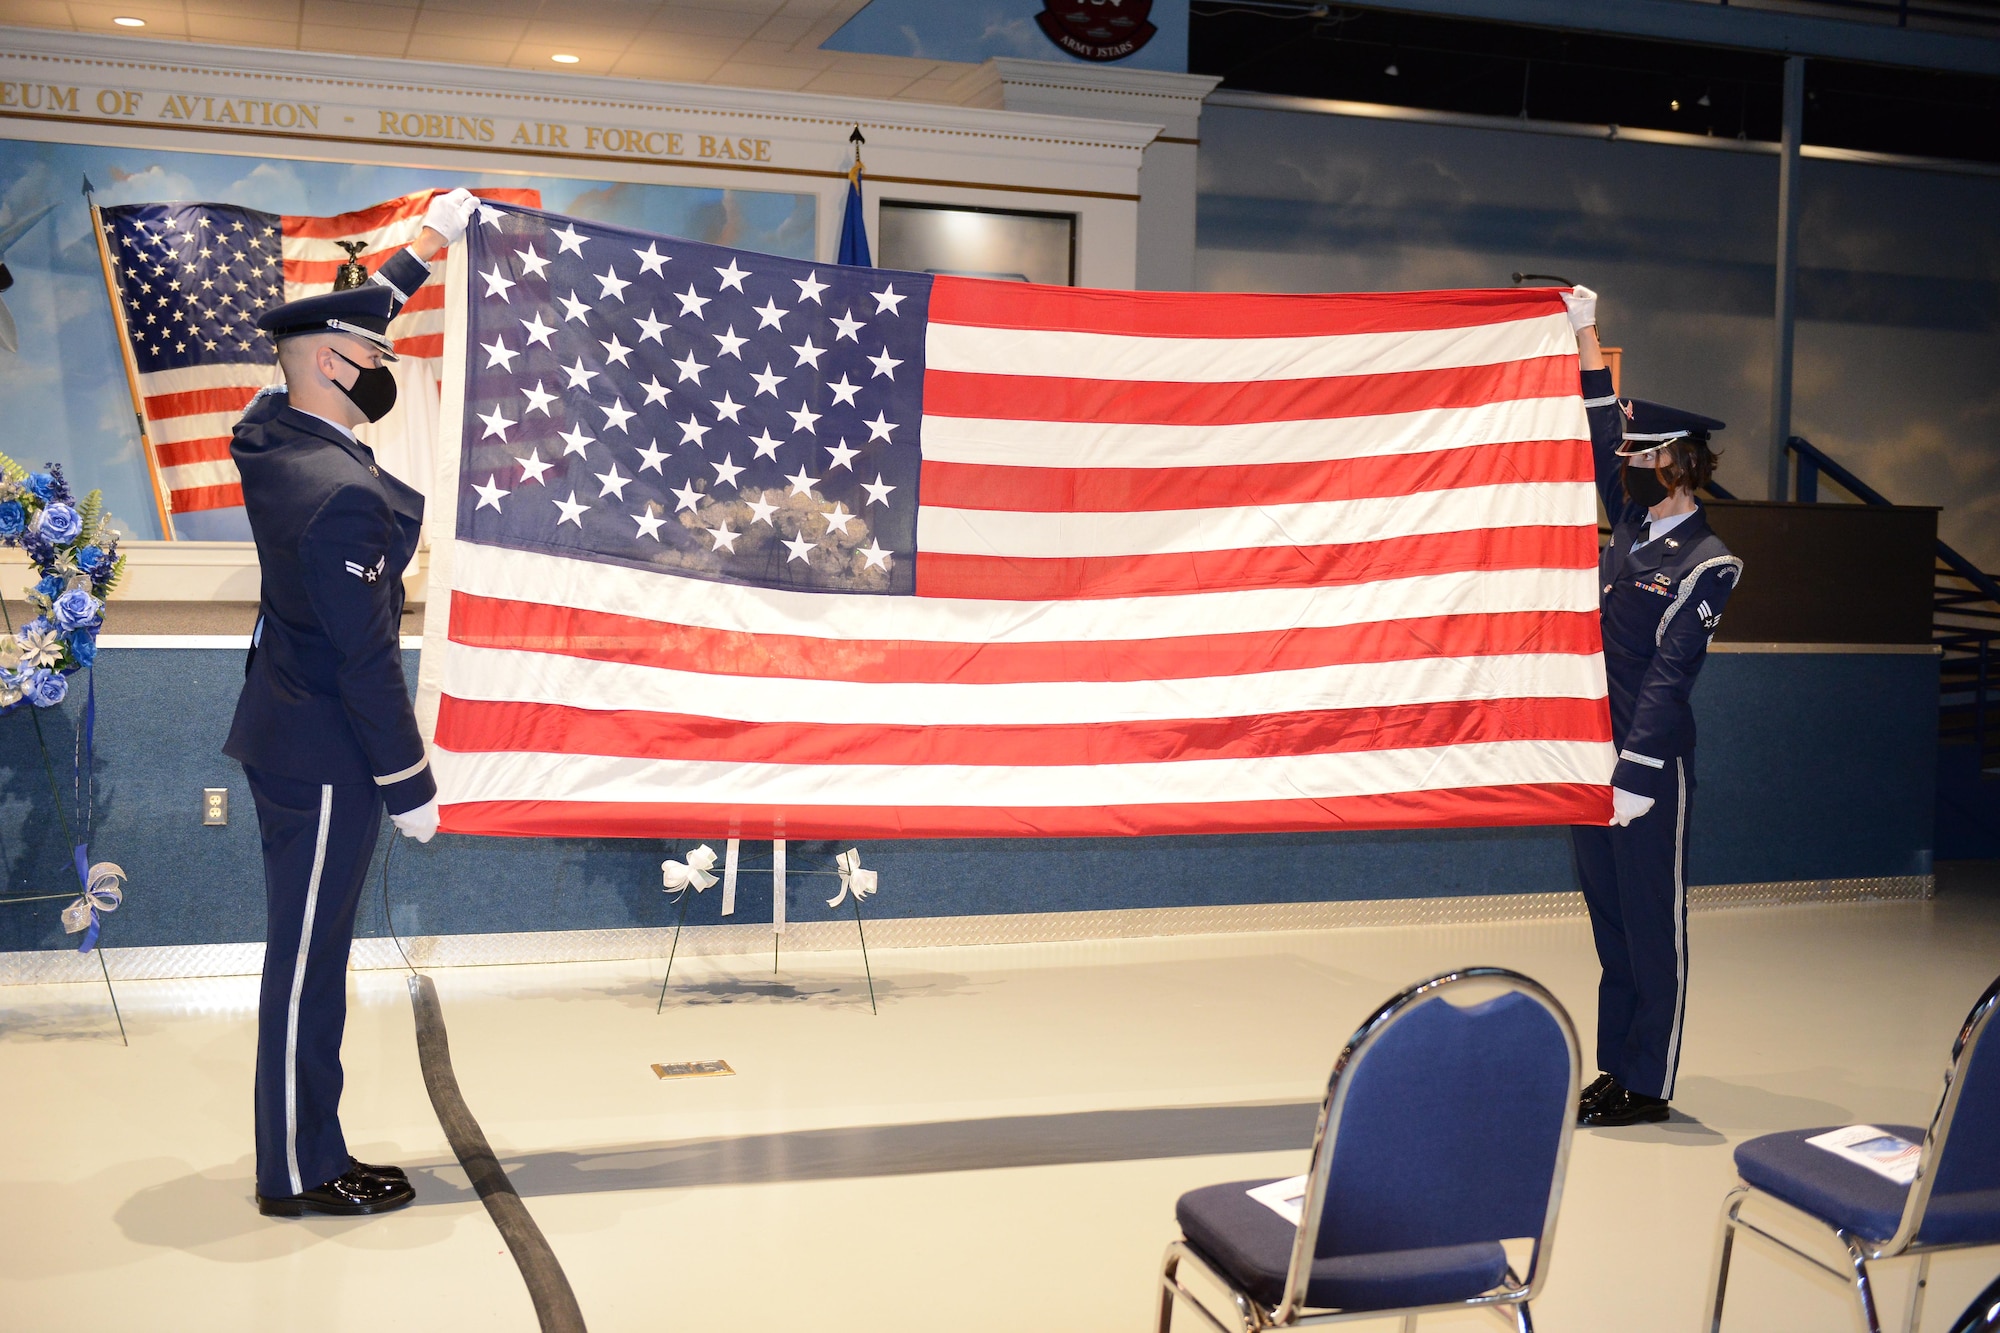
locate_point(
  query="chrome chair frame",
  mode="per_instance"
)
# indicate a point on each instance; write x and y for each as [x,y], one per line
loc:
[1850,1271]
[1291,1311]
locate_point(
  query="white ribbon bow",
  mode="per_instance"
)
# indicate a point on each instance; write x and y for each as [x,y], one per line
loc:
[102,894]
[853,879]
[679,876]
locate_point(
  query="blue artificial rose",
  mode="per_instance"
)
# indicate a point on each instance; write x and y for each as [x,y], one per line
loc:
[76,608]
[42,484]
[13,519]
[82,646]
[51,586]
[44,689]
[94,561]
[60,524]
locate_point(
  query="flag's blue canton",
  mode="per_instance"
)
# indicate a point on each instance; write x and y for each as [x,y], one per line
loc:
[194,278]
[692,409]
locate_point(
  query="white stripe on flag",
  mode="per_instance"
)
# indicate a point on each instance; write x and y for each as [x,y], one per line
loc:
[993,532]
[526,576]
[508,675]
[523,776]
[1087,444]
[1062,354]
[187,476]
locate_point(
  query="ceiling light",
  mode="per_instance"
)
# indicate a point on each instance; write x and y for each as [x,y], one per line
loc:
[129,22]
[565,59]
[1674,105]
[1392,71]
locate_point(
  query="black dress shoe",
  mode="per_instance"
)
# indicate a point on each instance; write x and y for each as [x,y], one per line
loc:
[1600,1087]
[1622,1106]
[350,1194]
[380,1172]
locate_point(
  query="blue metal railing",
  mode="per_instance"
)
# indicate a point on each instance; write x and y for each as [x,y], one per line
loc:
[1965,608]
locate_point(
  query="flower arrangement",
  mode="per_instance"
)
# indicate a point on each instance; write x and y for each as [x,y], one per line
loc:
[75,550]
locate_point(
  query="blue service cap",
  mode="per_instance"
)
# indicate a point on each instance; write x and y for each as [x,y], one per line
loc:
[1650,425]
[364,312]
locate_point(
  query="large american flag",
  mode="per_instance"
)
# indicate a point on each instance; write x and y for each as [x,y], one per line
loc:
[192,279]
[755,546]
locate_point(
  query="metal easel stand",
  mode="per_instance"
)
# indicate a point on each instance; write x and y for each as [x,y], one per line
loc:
[687,894]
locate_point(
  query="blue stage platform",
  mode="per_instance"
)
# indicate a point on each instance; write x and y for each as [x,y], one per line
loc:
[1813,765]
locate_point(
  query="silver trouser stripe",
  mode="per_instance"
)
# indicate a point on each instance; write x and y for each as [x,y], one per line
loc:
[298,989]
[1647,760]
[1680,929]
[1605,401]
[400,774]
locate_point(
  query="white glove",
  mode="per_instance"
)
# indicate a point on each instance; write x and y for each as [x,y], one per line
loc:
[448,214]
[422,822]
[1626,806]
[1581,301]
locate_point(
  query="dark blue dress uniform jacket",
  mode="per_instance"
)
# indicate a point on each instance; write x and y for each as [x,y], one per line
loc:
[1660,607]
[324,700]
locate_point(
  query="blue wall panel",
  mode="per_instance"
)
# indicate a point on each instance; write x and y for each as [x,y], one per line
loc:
[1811,766]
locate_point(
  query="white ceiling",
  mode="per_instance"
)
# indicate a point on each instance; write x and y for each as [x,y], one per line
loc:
[741,43]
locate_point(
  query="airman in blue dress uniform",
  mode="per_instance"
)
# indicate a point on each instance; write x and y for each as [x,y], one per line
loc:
[1663,581]
[324,728]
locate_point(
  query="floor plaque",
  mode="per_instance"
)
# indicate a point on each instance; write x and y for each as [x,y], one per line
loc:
[694,1069]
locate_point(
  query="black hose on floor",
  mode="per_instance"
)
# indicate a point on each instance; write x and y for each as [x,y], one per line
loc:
[548,1287]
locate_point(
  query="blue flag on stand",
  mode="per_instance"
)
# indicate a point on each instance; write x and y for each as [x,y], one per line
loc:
[853,226]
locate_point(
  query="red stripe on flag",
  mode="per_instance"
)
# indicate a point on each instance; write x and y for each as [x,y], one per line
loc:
[197,498]
[1119,490]
[1462,807]
[484,726]
[1011,305]
[344,225]
[229,398]
[1021,578]
[951,393]
[487,622]
[180,453]
[424,344]
[430,296]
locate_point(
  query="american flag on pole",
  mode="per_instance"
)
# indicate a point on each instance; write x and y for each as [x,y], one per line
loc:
[191,281]
[749,545]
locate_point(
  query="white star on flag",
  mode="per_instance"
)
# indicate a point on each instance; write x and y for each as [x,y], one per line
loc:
[725,538]
[572,512]
[878,493]
[838,520]
[768,382]
[616,415]
[767,443]
[810,287]
[761,511]
[574,309]
[879,428]
[489,494]
[652,261]
[571,240]
[809,353]
[688,496]
[799,547]
[495,425]
[873,553]
[730,343]
[656,392]
[649,525]
[690,303]
[579,378]
[615,352]
[652,326]
[841,453]
[613,285]
[575,441]
[886,299]
[652,456]
[488,216]
[769,316]
[726,472]
[884,364]
[532,263]
[689,368]
[803,419]
[538,332]
[692,430]
[727,408]
[802,484]
[497,284]
[844,391]
[732,276]
[614,483]
[532,468]
[538,401]
[497,354]
[847,326]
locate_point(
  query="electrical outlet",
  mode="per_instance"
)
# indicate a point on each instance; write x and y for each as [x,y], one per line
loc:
[215,805]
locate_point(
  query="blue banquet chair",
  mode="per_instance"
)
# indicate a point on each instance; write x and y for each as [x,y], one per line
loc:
[1444,1132]
[1953,1202]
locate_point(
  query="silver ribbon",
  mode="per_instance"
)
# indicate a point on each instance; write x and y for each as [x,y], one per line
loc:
[680,876]
[103,893]
[853,879]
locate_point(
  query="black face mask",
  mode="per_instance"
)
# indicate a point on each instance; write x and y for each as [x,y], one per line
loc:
[374,390]
[1643,486]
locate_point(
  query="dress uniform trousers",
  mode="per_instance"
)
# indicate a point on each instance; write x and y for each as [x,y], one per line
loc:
[318,840]
[1633,883]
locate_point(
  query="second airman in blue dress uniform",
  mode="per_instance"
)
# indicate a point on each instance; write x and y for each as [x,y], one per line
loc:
[1663,581]
[324,728]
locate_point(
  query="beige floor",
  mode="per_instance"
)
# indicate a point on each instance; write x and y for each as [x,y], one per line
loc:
[999,1150]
